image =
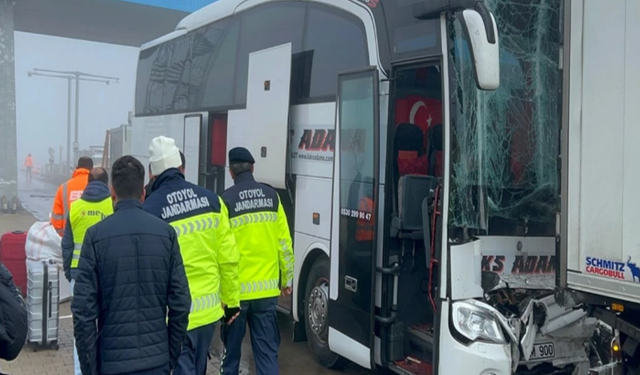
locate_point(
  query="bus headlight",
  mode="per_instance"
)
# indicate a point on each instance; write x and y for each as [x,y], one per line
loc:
[475,323]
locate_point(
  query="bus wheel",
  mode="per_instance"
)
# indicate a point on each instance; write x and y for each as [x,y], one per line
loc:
[316,309]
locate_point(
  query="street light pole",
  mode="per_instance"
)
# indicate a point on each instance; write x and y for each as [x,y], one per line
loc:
[68,163]
[78,76]
[76,145]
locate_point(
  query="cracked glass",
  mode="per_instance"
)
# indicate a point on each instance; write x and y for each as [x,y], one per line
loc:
[504,155]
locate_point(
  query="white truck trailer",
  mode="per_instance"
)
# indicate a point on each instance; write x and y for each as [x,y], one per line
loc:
[599,246]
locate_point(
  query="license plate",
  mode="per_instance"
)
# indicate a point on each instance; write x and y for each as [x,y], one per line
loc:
[542,351]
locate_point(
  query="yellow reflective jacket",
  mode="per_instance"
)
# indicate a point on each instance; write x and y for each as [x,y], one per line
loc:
[207,245]
[262,234]
[94,205]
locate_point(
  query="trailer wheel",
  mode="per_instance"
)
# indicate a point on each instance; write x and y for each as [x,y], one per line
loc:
[316,305]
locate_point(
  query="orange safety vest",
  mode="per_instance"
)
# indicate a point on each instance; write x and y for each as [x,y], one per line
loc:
[28,162]
[68,193]
[364,227]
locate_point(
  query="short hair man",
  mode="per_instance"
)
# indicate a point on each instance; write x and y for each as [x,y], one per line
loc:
[208,248]
[68,193]
[260,225]
[94,205]
[140,296]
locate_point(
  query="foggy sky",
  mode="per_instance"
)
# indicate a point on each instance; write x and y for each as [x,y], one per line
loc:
[42,101]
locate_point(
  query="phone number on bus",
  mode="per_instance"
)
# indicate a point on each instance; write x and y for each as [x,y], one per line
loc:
[355,213]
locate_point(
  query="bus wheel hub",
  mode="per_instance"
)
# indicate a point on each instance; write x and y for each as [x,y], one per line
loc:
[318,308]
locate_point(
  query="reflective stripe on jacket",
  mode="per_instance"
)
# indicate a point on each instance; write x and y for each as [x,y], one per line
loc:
[207,244]
[262,233]
[68,193]
[82,216]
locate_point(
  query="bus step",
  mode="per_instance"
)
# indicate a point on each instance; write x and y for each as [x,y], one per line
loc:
[411,366]
[421,340]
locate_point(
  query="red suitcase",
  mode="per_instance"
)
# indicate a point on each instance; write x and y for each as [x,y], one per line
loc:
[14,257]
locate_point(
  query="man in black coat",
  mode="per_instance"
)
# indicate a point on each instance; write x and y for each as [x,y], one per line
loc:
[132,283]
[13,317]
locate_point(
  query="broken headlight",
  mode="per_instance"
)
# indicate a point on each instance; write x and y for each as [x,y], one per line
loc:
[475,323]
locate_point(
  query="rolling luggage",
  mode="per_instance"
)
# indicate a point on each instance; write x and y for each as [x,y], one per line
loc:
[43,298]
[13,256]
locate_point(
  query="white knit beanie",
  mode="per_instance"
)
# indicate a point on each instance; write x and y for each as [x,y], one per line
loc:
[163,155]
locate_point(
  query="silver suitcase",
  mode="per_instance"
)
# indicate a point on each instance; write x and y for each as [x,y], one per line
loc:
[43,297]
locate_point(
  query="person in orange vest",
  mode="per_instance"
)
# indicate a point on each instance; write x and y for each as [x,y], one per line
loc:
[366,222]
[28,163]
[69,192]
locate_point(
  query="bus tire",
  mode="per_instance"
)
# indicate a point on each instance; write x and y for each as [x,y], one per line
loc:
[316,317]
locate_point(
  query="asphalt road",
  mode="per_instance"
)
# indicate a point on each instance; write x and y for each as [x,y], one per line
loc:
[37,197]
[294,358]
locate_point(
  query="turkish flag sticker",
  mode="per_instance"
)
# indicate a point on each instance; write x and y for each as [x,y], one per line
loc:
[420,111]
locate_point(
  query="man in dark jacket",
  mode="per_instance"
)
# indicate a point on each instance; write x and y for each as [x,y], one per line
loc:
[131,282]
[13,317]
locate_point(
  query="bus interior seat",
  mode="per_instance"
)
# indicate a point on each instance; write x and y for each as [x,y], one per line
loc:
[408,150]
[412,189]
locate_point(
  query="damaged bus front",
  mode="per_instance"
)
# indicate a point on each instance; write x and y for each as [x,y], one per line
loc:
[504,195]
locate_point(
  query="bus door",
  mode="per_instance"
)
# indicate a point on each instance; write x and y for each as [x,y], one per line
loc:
[191,147]
[262,126]
[355,202]
[214,143]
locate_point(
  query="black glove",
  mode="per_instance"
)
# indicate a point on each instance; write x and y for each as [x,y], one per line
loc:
[229,312]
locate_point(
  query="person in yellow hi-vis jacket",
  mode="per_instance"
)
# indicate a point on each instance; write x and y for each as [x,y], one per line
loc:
[94,205]
[266,265]
[208,249]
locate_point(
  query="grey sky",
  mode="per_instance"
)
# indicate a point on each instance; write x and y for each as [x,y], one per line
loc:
[42,101]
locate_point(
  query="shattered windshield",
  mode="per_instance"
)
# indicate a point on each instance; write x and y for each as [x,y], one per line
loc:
[504,158]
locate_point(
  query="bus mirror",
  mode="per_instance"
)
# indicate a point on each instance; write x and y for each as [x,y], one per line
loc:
[482,32]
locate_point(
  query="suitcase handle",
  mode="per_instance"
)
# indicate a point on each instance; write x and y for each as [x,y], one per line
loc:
[18,232]
[45,301]
[50,299]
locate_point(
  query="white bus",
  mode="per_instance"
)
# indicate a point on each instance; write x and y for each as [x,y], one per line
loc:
[378,121]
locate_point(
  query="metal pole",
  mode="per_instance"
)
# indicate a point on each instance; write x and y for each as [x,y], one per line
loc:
[68,127]
[70,76]
[76,145]
[8,139]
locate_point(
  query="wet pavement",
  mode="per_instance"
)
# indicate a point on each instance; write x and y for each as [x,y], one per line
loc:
[294,358]
[37,197]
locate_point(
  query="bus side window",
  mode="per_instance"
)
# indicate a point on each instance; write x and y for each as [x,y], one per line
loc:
[264,27]
[336,42]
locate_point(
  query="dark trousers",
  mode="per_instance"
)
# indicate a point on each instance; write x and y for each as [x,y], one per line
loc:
[163,370]
[262,318]
[195,350]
